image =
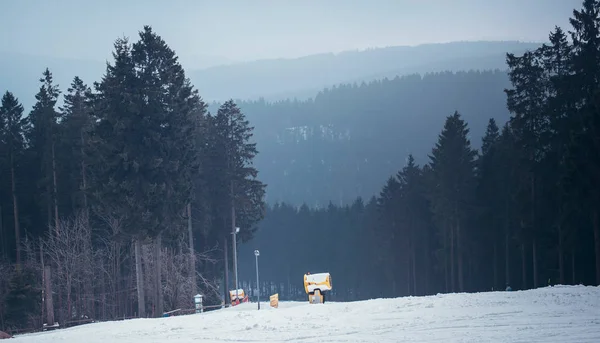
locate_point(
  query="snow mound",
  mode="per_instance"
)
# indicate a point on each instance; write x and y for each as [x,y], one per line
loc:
[552,314]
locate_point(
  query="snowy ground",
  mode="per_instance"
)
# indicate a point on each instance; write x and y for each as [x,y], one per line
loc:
[555,314]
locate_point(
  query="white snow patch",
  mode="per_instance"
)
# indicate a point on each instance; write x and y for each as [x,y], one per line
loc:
[553,314]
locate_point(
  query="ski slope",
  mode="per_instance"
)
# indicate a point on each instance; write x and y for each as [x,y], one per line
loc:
[553,314]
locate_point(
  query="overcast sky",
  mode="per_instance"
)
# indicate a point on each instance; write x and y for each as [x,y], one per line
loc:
[209,31]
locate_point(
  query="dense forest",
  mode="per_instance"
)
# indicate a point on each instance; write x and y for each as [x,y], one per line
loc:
[344,142]
[521,211]
[121,202]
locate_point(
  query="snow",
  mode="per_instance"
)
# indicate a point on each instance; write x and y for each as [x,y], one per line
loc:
[318,281]
[551,314]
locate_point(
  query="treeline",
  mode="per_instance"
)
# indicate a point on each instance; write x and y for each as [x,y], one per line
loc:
[342,143]
[120,203]
[523,211]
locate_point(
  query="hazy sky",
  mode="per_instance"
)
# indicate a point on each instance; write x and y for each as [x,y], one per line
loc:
[208,31]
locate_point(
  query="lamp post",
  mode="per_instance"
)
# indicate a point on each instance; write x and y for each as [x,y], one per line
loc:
[256,254]
[237,229]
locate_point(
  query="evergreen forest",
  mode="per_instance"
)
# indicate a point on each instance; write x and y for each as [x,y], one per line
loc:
[119,196]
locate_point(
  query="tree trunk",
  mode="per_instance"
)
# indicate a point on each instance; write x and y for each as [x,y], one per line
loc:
[446,260]
[49,207]
[414,270]
[426,266]
[524,267]
[83,172]
[43,276]
[495,262]
[48,295]
[573,266]
[533,232]
[408,272]
[561,253]
[408,259]
[507,254]
[69,286]
[103,296]
[2,238]
[534,258]
[452,260]
[596,223]
[55,189]
[158,276]
[140,279]
[192,254]
[506,242]
[15,207]
[226,259]
[461,280]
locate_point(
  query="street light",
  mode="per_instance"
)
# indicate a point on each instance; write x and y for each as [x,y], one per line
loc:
[256,254]
[237,230]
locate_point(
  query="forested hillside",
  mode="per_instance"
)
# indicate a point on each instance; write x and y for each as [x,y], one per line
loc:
[346,141]
[520,211]
[278,79]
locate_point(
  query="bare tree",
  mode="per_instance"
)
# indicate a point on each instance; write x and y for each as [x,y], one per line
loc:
[67,248]
[110,257]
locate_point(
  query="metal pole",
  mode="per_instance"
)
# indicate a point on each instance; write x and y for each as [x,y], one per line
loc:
[235,231]
[256,254]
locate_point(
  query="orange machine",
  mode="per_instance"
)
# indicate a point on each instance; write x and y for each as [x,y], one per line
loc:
[316,285]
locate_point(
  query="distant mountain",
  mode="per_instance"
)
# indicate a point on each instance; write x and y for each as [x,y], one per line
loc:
[348,139]
[273,79]
[278,79]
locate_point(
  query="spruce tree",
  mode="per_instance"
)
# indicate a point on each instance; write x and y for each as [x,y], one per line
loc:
[527,102]
[12,129]
[118,159]
[76,126]
[584,145]
[43,138]
[236,189]
[489,188]
[173,110]
[453,168]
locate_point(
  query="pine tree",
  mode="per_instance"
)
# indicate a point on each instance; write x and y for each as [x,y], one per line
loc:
[238,193]
[527,102]
[415,218]
[12,129]
[76,126]
[584,145]
[118,160]
[489,188]
[43,138]
[453,167]
[388,237]
[174,110]
[556,59]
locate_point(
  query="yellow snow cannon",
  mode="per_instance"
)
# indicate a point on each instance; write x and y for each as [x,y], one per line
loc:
[316,285]
[237,298]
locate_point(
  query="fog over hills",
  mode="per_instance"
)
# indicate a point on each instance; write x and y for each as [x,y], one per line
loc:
[274,79]
[283,78]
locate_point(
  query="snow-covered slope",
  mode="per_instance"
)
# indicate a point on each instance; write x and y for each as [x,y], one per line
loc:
[554,314]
